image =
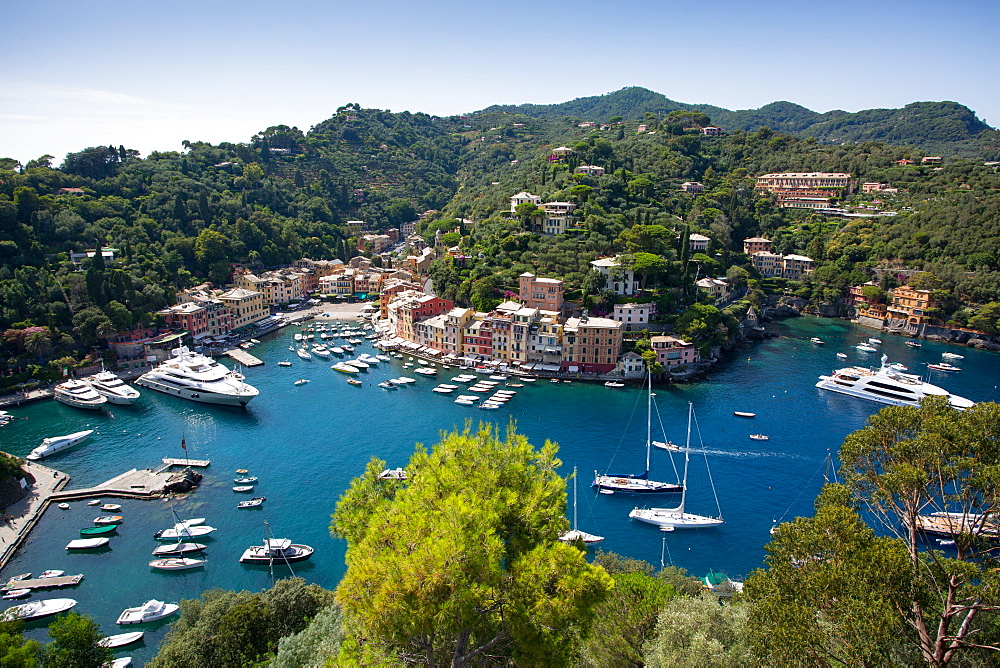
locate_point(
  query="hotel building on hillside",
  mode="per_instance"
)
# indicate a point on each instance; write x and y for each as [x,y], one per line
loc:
[806,190]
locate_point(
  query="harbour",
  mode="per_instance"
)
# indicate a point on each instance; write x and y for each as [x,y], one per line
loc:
[306,442]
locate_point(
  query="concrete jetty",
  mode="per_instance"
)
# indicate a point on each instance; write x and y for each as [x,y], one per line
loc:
[244,358]
[22,516]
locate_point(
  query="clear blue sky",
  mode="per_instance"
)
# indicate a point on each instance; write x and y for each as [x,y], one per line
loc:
[149,75]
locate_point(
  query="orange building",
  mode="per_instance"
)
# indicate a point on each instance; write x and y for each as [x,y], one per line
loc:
[911,305]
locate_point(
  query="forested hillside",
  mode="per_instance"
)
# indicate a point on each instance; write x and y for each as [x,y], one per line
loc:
[936,128]
[180,217]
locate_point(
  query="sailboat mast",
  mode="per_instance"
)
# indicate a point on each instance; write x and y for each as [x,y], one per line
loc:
[649,418]
[687,457]
[574,498]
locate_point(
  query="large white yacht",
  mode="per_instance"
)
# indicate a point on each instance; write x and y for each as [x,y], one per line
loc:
[886,385]
[78,394]
[196,377]
[113,388]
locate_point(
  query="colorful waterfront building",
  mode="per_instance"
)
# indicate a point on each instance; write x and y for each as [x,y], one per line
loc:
[591,345]
[671,351]
[911,305]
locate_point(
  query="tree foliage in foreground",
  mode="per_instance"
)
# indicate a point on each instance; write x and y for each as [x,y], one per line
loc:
[909,462]
[829,594]
[460,563]
[698,631]
[229,628]
[74,643]
[838,592]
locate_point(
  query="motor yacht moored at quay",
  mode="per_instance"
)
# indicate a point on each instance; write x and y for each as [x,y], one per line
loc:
[194,376]
[112,388]
[886,385]
[78,394]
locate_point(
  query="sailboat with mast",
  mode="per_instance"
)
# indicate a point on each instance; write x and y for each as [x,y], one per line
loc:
[636,483]
[575,534]
[669,519]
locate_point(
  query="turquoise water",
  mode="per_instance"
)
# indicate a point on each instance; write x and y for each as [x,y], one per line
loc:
[305,443]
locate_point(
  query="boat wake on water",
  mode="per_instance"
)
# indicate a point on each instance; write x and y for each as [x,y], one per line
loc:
[748,454]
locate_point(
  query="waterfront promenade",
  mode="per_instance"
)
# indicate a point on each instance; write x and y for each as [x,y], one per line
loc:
[20,517]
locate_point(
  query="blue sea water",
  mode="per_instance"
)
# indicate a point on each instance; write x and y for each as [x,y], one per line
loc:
[306,442]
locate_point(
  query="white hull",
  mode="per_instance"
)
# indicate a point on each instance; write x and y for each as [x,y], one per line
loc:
[201,395]
[89,405]
[55,444]
[150,612]
[886,386]
[37,609]
[675,519]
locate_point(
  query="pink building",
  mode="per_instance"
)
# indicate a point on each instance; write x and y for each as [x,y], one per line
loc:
[541,293]
[671,351]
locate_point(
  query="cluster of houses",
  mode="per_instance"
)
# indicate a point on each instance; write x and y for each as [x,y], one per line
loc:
[533,333]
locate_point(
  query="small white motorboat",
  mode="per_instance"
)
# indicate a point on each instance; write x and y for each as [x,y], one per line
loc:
[121,639]
[12,594]
[611,383]
[255,502]
[759,437]
[105,520]
[301,381]
[176,563]
[37,609]
[94,502]
[178,548]
[87,543]
[52,574]
[842,356]
[953,356]
[111,508]
[149,611]
[63,506]
[243,488]
[284,363]
[667,445]
[744,414]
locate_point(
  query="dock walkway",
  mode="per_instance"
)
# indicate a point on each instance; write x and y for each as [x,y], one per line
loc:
[45,583]
[198,463]
[244,358]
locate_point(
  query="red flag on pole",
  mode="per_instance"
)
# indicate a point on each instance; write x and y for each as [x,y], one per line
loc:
[183,444]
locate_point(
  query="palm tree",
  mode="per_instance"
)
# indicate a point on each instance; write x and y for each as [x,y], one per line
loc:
[38,343]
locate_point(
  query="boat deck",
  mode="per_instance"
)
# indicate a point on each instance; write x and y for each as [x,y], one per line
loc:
[244,358]
[44,583]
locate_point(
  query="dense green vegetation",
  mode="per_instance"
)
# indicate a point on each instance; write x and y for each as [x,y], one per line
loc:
[180,217]
[74,645]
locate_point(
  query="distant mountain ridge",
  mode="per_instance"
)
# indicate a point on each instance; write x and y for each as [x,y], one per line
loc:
[948,128]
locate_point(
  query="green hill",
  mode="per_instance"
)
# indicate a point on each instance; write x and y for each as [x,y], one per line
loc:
[945,128]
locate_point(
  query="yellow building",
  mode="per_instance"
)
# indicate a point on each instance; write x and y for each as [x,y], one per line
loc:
[246,306]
